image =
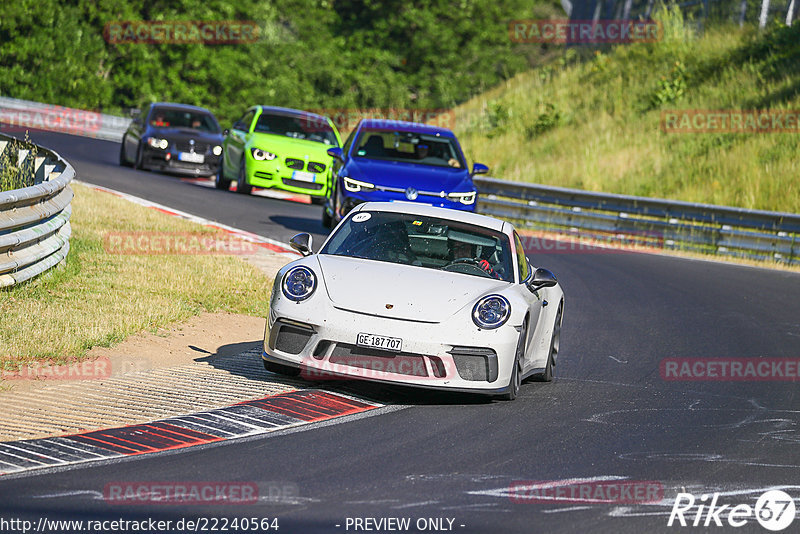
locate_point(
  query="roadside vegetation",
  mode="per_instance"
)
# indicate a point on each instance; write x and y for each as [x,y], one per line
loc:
[594,122]
[97,298]
[311,54]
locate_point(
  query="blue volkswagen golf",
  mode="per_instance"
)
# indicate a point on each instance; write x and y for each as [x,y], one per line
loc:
[384,160]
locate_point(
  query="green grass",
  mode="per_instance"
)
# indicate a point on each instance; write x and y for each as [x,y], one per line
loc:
[98,298]
[594,122]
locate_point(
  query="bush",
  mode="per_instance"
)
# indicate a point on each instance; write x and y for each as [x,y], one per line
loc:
[312,54]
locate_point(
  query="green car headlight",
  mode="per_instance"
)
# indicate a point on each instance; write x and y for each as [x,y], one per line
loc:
[262,155]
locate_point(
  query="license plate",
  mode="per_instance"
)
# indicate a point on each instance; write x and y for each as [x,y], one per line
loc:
[379,342]
[191,157]
[304,176]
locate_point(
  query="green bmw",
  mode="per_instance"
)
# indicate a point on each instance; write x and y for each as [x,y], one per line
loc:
[280,148]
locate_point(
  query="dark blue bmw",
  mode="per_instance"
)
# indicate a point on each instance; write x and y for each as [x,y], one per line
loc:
[384,160]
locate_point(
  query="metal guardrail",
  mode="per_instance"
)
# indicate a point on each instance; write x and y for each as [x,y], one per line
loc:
[24,114]
[34,221]
[650,222]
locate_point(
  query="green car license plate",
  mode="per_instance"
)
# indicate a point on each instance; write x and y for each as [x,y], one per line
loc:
[304,176]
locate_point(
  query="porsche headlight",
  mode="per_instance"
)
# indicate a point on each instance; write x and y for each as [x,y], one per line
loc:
[354,186]
[464,198]
[217,150]
[299,283]
[261,155]
[157,142]
[491,312]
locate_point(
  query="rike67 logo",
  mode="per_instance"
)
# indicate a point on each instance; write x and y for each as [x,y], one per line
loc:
[774,511]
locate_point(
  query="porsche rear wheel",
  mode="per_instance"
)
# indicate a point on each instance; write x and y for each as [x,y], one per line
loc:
[516,372]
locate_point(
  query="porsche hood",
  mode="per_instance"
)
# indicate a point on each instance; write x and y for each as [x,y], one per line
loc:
[400,291]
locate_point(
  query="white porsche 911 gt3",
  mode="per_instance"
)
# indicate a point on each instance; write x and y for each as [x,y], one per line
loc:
[416,295]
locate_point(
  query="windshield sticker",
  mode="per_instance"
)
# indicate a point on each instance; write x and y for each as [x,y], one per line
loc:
[361,217]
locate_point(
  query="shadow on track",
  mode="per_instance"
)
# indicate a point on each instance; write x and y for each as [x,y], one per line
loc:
[244,359]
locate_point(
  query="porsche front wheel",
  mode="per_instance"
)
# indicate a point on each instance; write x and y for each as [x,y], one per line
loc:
[516,372]
[555,341]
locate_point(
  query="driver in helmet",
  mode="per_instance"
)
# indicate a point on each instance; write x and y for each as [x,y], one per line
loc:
[462,249]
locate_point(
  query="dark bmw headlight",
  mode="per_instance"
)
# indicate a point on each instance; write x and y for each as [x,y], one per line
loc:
[157,142]
[261,155]
[491,312]
[299,283]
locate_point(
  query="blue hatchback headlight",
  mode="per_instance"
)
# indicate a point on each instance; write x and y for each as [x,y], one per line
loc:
[465,198]
[299,283]
[491,312]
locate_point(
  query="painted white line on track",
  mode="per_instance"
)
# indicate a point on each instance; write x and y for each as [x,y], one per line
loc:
[277,246]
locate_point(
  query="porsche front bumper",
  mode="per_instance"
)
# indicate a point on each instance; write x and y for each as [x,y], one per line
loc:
[321,340]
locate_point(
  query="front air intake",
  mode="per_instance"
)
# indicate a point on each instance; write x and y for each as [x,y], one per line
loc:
[475,363]
[290,338]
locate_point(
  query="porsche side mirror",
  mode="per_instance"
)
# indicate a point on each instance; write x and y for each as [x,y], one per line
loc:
[542,278]
[336,153]
[479,168]
[302,243]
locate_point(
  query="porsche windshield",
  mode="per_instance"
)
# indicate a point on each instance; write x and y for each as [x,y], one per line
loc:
[408,147]
[423,242]
[308,127]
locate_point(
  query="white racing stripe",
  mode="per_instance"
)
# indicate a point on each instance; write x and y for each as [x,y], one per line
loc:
[244,234]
